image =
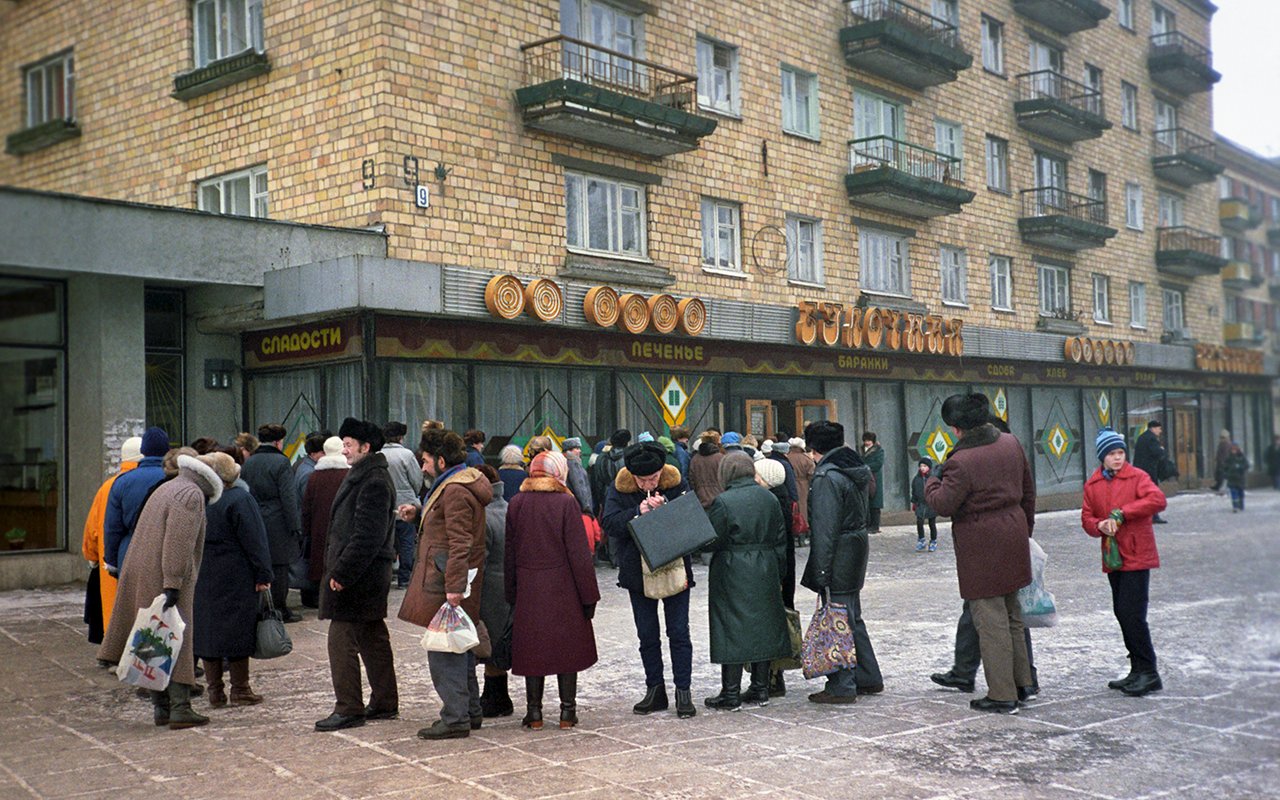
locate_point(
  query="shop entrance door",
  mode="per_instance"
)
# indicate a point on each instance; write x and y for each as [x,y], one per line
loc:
[766,419]
[1185,450]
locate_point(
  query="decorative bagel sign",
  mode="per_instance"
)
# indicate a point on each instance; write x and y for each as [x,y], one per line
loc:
[507,297]
[1101,352]
[504,296]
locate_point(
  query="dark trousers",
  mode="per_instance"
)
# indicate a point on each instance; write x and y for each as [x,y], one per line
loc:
[1237,497]
[969,655]
[349,644]
[1129,600]
[280,587]
[866,674]
[933,528]
[406,547]
[873,520]
[789,577]
[454,677]
[675,610]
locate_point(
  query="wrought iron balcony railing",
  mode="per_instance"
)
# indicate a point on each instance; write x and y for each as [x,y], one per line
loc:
[919,162]
[1173,42]
[564,57]
[1048,84]
[1182,142]
[863,11]
[1047,201]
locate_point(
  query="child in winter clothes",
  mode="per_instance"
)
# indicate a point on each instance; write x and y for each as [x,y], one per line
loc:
[923,511]
[1235,470]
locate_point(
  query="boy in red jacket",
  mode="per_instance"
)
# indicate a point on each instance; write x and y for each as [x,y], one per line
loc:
[1119,502]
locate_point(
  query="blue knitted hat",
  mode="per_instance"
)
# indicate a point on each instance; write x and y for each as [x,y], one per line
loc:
[1109,440]
[732,437]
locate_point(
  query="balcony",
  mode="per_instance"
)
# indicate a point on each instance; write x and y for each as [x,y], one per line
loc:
[573,88]
[1241,334]
[1235,214]
[904,178]
[1055,106]
[1180,64]
[1188,253]
[1184,158]
[1241,275]
[1063,16]
[896,41]
[1057,218]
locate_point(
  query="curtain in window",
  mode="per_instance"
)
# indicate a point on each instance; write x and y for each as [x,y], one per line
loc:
[417,392]
[343,394]
[285,397]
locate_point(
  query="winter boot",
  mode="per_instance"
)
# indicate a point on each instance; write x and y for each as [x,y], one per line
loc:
[758,691]
[160,708]
[568,685]
[217,689]
[180,713]
[495,701]
[241,694]
[533,688]
[730,698]
[684,704]
[655,699]
[777,684]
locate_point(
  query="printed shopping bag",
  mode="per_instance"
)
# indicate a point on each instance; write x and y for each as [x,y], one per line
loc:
[450,631]
[828,644]
[1038,607]
[153,646]
[797,643]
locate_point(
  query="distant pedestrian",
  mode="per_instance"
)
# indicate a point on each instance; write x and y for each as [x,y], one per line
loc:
[607,466]
[873,456]
[704,468]
[93,546]
[804,467]
[474,439]
[317,506]
[579,480]
[680,436]
[924,514]
[313,451]
[1149,456]
[300,574]
[1220,460]
[270,478]
[495,611]
[127,496]
[1272,458]
[406,476]
[1235,470]
[511,470]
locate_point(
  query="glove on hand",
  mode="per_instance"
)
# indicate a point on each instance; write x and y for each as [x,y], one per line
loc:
[589,611]
[170,598]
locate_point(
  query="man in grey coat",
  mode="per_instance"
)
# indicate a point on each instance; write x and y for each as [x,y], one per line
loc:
[271,482]
[579,480]
[406,476]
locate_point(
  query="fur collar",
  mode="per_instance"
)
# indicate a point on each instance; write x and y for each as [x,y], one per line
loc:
[542,484]
[980,436]
[468,475]
[203,476]
[332,462]
[625,483]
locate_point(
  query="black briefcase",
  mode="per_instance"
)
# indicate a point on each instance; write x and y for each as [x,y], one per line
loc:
[673,530]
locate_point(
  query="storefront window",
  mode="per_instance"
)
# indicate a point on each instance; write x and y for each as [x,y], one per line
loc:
[643,397]
[32,396]
[520,402]
[163,334]
[884,418]
[415,392]
[1058,441]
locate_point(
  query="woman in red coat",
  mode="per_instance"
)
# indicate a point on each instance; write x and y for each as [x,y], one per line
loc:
[1119,502]
[551,586]
[317,503]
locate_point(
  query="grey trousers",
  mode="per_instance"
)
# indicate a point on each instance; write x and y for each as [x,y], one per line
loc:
[969,657]
[866,674]
[349,643]
[1003,645]
[454,677]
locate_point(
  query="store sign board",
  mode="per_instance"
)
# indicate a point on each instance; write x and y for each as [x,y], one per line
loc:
[1212,358]
[302,342]
[871,328]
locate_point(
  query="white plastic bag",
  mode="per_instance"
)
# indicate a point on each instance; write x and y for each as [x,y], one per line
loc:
[450,631]
[1038,607]
[153,646]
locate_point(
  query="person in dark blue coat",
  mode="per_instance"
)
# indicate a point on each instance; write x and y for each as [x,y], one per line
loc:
[128,494]
[235,570]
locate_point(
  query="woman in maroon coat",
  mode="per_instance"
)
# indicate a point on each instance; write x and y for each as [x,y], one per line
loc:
[551,586]
[317,502]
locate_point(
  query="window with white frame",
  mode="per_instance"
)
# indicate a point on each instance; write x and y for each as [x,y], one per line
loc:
[1162,20]
[1225,191]
[1137,304]
[1171,206]
[804,249]
[1101,299]
[717,76]
[241,193]
[1174,318]
[952,268]
[1097,185]
[884,264]
[1001,282]
[604,215]
[997,164]
[948,139]
[992,45]
[1133,206]
[1055,290]
[50,86]
[1129,105]
[224,28]
[1124,13]
[721,235]
[947,10]
[799,102]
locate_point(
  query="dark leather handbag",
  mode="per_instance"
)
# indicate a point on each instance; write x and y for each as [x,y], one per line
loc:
[272,639]
[672,530]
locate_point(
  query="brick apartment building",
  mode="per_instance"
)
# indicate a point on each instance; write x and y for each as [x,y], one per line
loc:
[579,215]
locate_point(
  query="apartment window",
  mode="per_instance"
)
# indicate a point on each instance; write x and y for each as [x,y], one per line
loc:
[1170,210]
[1055,290]
[948,11]
[717,76]
[997,164]
[1133,206]
[1174,320]
[884,264]
[1137,304]
[952,268]
[51,90]
[948,139]
[804,249]
[1045,56]
[1124,13]
[721,235]
[874,115]
[1129,105]
[1162,20]
[1225,189]
[226,27]
[992,45]
[1093,78]
[799,102]
[604,215]
[1101,299]
[1097,185]
[242,194]
[1001,283]
[1275,209]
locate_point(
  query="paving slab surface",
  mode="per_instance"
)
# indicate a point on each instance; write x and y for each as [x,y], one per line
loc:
[69,730]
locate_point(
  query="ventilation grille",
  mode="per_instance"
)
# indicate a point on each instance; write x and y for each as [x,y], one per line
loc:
[1164,356]
[983,342]
[748,322]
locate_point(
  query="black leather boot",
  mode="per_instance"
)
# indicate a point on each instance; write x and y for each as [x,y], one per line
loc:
[1145,683]
[1120,683]
[655,699]
[758,692]
[730,698]
[160,708]
[568,686]
[684,704]
[533,688]
[495,701]
[777,684]
[180,713]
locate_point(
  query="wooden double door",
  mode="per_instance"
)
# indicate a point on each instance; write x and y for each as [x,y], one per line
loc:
[765,418]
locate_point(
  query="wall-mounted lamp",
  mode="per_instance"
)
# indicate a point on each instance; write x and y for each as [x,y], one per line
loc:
[217,373]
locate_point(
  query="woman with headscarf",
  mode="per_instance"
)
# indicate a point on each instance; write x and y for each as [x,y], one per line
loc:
[551,586]
[511,470]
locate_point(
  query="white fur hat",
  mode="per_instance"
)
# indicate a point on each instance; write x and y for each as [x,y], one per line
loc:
[333,446]
[131,450]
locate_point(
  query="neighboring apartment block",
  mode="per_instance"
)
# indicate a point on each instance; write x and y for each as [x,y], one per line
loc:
[603,213]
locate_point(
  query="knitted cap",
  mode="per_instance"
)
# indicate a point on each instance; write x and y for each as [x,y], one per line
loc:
[732,437]
[131,450]
[766,446]
[771,472]
[1109,440]
[155,442]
